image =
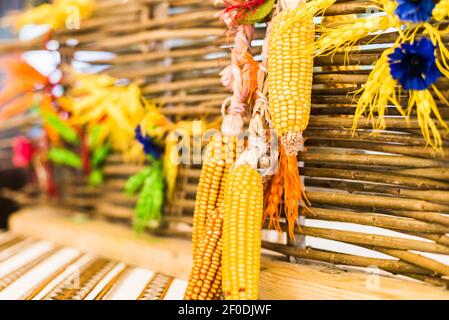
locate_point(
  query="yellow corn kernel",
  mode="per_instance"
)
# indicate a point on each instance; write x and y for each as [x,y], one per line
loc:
[290,66]
[243,206]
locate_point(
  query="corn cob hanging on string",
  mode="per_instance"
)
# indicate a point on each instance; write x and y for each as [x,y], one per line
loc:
[243,207]
[290,68]
[241,78]
[237,76]
[220,154]
[243,203]
[242,210]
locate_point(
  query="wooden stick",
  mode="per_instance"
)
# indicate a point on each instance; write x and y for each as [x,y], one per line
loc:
[376,220]
[114,42]
[385,178]
[393,266]
[122,59]
[402,204]
[424,216]
[366,135]
[374,240]
[431,280]
[438,238]
[161,70]
[179,85]
[415,259]
[433,173]
[352,186]
[369,159]
[381,147]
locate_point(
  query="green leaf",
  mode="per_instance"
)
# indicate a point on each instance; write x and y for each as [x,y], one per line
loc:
[93,136]
[95,178]
[151,198]
[64,157]
[136,181]
[99,155]
[259,14]
[68,134]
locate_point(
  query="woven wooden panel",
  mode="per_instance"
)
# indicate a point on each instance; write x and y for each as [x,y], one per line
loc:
[378,199]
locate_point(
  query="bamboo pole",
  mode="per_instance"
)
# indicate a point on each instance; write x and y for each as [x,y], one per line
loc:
[371,201]
[416,259]
[192,98]
[433,173]
[431,280]
[438,238]
[161,70]
[380,147]
[369,159]
[402,204]
[367,135]
[385,178]
[376,220]
[346,122]
[424,216]
[129,58]
[202,16]
[373,240]
[393,266]
[114,42]
[351,186]
[179,85]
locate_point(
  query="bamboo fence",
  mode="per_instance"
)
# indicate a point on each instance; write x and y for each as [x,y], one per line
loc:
[382,196]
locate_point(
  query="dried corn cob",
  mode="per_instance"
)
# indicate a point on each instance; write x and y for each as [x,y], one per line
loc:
[290,67]
[207,263]
[240,77]
[243,205]
[220,154]
[207,193]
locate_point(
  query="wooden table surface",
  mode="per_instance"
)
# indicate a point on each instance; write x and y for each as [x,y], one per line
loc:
[279,279]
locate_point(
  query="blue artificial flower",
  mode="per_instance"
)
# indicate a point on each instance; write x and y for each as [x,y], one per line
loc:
[415,10]
[413,65]
[149,147]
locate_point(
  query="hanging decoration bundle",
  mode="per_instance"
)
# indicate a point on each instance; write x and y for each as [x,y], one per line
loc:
[103,105]
[121,119]
[158,137]
[27,90]
[150,182]
[290,67]
[214,228]
[410,68]
[58,14]
[23,87]
[243,199]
